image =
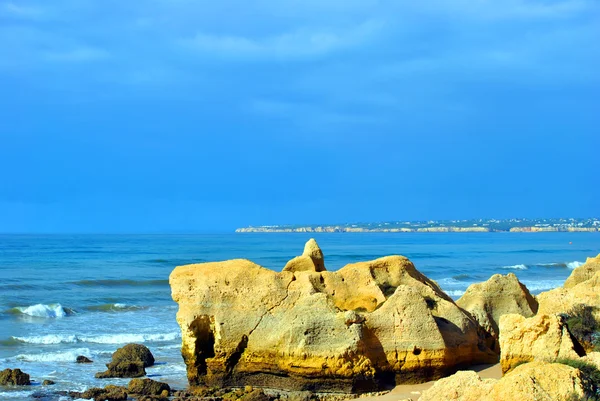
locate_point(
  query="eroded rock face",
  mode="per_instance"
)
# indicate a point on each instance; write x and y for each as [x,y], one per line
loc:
[498,296]
[535,381]
[368,325]
[584,272]
[541,338]
[562,300]
[538,381]
[461,386]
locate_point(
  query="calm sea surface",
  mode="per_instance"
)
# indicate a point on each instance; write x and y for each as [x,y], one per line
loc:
[67,295]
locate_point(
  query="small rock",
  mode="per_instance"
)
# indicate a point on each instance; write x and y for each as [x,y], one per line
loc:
[128,361]
[255,395]
[109,393]
[14,377]
[83,359]
[47,382]
[123,369]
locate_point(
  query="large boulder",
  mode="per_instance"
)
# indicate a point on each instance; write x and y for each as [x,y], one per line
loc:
[461,386]
[311,259]
[14,377]
[563,300]
[542,338]
[583,272]
[364,327]
[539,381]
[128,361]
[498,296]
[535,381]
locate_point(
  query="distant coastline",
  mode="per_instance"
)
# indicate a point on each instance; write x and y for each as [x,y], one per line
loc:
[450,226]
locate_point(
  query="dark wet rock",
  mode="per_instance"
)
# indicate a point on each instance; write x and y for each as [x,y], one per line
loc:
[134,352]
[108,393]
[83,359]
[147,387]
[47,382]
[255,395]
[122,369]
[128,361]
[14,377]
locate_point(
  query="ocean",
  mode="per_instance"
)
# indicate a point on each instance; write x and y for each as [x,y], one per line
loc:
[67,295]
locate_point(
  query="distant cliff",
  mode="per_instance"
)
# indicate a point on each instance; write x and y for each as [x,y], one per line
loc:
[450,226]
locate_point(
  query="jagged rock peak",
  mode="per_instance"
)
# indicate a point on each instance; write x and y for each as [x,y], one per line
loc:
[311,259]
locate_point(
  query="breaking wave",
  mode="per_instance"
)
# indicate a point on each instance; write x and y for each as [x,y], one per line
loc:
[516,267]
[99,339]
[574,265]
[114,307]
[42,311]
[565,265]
[64,356]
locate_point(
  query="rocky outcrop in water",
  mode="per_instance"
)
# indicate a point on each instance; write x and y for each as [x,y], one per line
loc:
[367,326]
[498,296]
[14,377]
[128,361]
[83,359]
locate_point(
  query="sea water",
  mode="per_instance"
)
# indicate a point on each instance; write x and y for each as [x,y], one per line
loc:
[67,295]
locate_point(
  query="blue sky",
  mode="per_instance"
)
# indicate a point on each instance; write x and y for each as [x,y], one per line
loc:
[180,115]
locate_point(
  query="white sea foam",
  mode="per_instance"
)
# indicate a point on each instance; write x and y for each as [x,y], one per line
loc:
[64,356]
[15,394]
[542,285]
[100,339]
[455,293]
[516,267]
[48,339]
[574,265]
[42,310]
[448,281]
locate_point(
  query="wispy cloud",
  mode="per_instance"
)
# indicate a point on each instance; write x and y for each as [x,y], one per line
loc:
[77,55]
[11,9]
[304,42]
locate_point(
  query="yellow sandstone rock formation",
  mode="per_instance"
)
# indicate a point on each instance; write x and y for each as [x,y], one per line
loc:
[498,296]
[535,381]
[310,260]
[461,386]
[542,338]
[364,327]
[582,287]
[583,272]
